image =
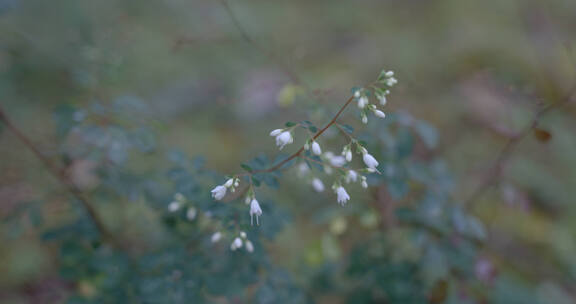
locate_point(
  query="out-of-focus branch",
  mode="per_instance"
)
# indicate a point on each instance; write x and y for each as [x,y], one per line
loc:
[508,149]
[271,56]
[58,174]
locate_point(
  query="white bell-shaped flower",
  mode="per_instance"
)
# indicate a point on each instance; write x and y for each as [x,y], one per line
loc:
[216,237]
[249,246]
[255,210]
[363,102]
[370,161]
[236,244]
[379,113]
[351,176]
[191,213]
[364,183]
[342,195]
[316,148]
[219,192]
[318,185]
[284,138]
[174,206]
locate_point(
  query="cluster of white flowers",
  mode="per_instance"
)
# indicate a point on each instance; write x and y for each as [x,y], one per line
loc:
[240,241]
[180,201]
[219,192]
[313,152]
[387,79]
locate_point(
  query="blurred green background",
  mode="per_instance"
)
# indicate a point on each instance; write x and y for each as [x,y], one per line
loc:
[476,70]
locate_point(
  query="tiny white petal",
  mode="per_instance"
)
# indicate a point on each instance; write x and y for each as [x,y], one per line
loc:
[389,74]
[383,100]
[243,234]
[216,237]
[276,132]
[364,184]
[337,161]
[237,243]
[303,169]
[316,148]
[379,113]
[179,197]
[249,246]
[348,156]
[229,183]
[342,195]
[364,119]
[362,102]
[191,213]
[351,176]
[255,210]
[218,192]
[318,185]
[370,161]
[173,206]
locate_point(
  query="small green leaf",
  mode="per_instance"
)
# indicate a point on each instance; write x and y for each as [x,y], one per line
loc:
[255,181]
[313,129]
[290,124]
[347,128]
[246,167]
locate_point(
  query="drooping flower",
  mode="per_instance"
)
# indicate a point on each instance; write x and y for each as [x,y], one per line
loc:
[342,195]
[335,160]
[318,185]
[363,102]
[283,138]
[236,244]
[383,100]
[379,113]
[364,118]
[255,210]
[243,234]
[249,246]
[303,169]
[351,176]
[370,161]
[347,153]
[191,213]
[229,183]
[174,206]
[216,237]
[316,148]
[364,183]
[219,192]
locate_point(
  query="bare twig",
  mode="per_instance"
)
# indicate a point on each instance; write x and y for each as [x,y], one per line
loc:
[495,170]
[271,56]
[58,174]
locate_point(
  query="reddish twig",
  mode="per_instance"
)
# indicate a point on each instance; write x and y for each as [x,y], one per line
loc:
[495,170]
[58,174]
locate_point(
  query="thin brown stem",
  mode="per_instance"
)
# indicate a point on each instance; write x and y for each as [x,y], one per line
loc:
[496,169]
[297,153]
[271,56]
[58,174]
